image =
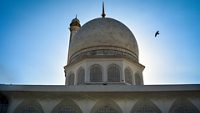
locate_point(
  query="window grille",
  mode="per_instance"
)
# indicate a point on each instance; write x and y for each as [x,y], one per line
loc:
[67,109]
[106,109]
[138,79]
[95,73]
[3,104]
[183,109]
[3,107]
[81,76]
[146,108]
[113,73]
[128,76]
[184,106]
[71,79]
[30,109]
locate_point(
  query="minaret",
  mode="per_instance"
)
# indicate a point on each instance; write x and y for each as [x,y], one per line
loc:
[74,26]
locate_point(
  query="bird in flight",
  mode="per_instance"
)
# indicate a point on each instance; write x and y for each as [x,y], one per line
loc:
[157,33]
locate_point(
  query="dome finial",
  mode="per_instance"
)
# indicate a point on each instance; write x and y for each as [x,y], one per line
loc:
[103,12]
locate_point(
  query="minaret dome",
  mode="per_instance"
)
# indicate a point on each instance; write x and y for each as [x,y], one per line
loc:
[75,22]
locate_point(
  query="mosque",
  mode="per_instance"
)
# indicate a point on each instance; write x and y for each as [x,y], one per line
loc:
[103,75]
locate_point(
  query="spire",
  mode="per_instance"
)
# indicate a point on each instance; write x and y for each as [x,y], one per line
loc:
[103,12]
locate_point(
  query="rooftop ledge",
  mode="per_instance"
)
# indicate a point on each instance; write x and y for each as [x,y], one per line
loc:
[99,88]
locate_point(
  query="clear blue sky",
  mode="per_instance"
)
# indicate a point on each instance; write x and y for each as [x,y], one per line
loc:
[34,37]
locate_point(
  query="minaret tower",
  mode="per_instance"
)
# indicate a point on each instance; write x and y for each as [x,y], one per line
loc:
[74,26]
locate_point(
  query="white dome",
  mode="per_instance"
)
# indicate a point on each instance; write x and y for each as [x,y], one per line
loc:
[103,33]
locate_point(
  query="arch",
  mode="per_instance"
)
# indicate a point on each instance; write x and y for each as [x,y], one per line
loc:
[106,106]
[182,105]
[30,106]
[71,79]
[113,73]
[96,73]
[128,75]
[67,106]
[138,80]
[80,76]
[3,104]
[145,106]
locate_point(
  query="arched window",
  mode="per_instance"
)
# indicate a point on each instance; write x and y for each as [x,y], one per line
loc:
[81,76]
[29,107]
[95,73]
[138,80]
[128,76]
[106,109]
[67,107]
[113,73]
[183,106]
[145,106]
[3,104]
[71,79]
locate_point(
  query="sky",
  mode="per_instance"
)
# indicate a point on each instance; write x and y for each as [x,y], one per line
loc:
[34,37]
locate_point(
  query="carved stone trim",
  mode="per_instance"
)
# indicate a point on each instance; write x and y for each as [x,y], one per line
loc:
[103,52]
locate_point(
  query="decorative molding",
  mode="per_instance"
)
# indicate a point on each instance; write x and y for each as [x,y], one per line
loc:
[103,52]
